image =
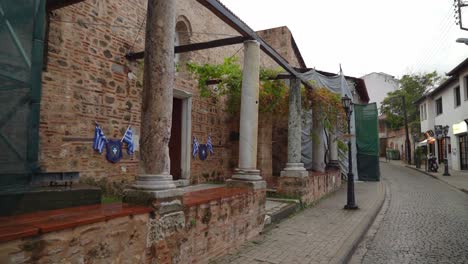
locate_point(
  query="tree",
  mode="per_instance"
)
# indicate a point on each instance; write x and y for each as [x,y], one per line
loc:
[412,88]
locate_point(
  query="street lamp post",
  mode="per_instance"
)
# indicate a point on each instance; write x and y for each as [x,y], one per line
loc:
[446,170]
[351,203]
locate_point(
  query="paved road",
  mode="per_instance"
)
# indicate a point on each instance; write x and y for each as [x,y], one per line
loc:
[321,234]
[426,221]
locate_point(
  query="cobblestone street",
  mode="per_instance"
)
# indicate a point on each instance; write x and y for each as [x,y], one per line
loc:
[426,221]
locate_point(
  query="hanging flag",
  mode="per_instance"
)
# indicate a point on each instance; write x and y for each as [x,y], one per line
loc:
[209,145]
[194,147]
[99,139]
[128,138]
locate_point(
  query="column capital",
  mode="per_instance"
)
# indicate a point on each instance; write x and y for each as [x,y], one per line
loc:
[252,41]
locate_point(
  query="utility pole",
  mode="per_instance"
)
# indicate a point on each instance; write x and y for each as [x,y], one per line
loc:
[408,144]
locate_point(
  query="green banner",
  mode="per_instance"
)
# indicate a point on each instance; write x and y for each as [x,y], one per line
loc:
[367,141]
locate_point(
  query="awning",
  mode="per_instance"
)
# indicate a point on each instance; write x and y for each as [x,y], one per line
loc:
[423,143]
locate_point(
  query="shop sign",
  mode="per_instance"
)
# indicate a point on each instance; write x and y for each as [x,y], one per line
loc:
[460,128]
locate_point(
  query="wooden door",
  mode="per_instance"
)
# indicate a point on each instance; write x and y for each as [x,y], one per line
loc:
[175,144]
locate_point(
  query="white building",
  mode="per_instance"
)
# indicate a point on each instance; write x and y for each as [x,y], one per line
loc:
[447,105]
[378,85]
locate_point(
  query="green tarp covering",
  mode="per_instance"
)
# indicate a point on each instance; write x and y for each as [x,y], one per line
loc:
[367,142]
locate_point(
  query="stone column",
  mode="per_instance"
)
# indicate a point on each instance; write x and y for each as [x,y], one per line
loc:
[156,118]
[294,167]
[333,156]
[247,170]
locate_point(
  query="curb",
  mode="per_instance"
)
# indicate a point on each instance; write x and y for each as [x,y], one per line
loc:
[350,246]
[435,177]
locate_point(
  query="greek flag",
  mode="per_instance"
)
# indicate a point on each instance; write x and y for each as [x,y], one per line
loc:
[99,139]
[209,145]
[194,147]
[128,138]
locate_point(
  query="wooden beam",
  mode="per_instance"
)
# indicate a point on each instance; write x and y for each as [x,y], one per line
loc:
[56,4]
[281,76]
[195,46]
[240,26]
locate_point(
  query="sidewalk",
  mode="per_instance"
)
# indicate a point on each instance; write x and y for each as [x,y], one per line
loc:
[324,233]
[457,179]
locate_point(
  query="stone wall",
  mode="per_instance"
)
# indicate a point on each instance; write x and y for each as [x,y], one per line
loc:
[193,231]
[220,226]
[120,240]
[86,79]
[312,188]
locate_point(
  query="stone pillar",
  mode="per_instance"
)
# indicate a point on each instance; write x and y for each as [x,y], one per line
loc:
[247,170]
[294,167]
[333,156]
[156,118]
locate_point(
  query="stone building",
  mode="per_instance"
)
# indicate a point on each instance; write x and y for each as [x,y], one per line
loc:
[87,79]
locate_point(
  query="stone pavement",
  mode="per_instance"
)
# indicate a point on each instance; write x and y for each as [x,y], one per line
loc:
[457,179]
[324,233]
[423,221]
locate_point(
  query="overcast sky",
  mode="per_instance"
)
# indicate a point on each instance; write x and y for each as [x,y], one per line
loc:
[395,37]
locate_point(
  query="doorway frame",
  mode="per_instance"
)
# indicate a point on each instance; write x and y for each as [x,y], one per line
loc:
[186,147]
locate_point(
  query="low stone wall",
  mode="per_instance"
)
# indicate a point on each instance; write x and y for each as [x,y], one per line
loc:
[312,188]
[119,240]
[213,227]
[195,228]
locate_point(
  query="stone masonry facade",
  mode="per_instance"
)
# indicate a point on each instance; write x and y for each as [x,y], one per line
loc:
[310,189]
[194,233]
[86,79]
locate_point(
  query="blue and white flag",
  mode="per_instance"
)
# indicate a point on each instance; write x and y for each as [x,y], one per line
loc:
[99,139]
[194,147]
[128,138]
[209,145]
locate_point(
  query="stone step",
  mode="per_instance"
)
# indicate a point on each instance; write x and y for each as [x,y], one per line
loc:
[278,209]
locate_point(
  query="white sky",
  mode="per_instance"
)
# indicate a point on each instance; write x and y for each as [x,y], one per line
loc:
[395,37]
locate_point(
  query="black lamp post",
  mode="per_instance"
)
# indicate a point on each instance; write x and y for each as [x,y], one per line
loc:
[446,170]
[351,203]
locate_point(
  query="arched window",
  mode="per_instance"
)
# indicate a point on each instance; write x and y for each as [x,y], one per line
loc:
[182,37]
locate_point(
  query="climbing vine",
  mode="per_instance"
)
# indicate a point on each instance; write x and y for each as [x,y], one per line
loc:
[326,107]
[218,80]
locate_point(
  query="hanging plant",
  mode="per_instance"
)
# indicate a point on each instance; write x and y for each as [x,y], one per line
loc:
[228,77]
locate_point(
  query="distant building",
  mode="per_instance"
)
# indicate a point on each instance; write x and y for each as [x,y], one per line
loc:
[378,85]
[447,105]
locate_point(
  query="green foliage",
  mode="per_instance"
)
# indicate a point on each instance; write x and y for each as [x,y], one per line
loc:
[412,88]
[342,146]
[229,78]
[326,107]
[106,199]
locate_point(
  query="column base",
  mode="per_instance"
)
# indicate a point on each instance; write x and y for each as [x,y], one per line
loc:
[148,188]
[333,164]
[255,185]
[247,175]
[154,182]
[246,178]
[294,170]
